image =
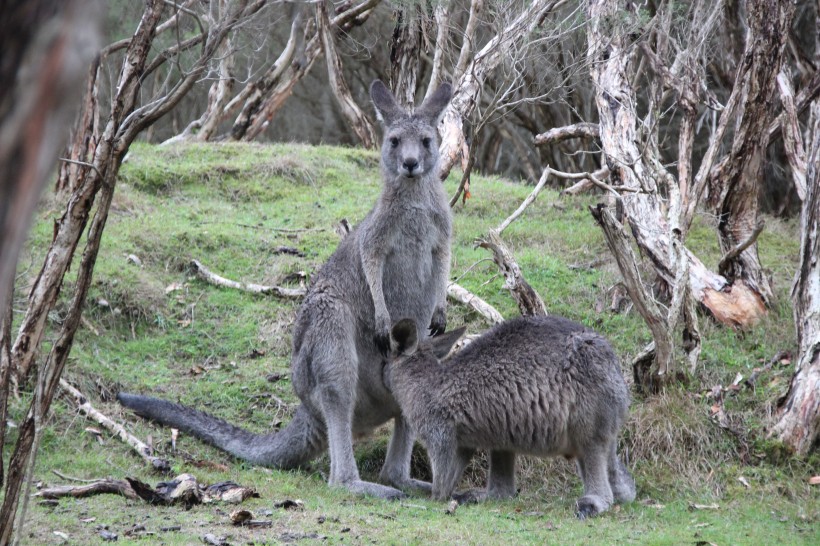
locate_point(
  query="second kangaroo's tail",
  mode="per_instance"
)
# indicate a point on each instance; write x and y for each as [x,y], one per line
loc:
[302,440]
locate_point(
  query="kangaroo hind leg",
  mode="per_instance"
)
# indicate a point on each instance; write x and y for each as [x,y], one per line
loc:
[592,466]
[396,469]
[620,480]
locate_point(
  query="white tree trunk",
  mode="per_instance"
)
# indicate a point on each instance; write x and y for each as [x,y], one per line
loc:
[799,424]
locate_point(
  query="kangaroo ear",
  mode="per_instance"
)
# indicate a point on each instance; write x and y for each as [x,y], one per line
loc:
[405,337]
[444,342]
[387,110]
[433,107]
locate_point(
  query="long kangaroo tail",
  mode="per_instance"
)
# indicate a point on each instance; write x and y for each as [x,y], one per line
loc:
[302,440]
[620,480]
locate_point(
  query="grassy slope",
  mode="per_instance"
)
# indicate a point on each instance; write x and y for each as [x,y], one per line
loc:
[231,206]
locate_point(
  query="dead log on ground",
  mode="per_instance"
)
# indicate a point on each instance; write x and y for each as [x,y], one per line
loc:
[210,277]
[142,449]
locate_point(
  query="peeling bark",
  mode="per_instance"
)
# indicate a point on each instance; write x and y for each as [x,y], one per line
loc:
[441,14]
[248,127]
[739,177]
[799,414]
[467,86]
[404,56]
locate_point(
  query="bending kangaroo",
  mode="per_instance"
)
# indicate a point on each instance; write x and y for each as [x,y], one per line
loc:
[394,264]
[537,385]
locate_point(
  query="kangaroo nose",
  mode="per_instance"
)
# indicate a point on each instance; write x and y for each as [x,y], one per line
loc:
[410,164]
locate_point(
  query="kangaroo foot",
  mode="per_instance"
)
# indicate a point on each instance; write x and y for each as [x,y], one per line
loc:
[410,484]
[470,496]
[361,487]
[590,505]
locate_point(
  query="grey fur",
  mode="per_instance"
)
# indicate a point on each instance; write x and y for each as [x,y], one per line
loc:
[542,386]
[394,264]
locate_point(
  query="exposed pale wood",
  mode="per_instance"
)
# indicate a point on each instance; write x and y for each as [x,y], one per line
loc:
[97,487]
[792,141]
[462,295]
[351,111]
[404,54]
[739,177]
[524,204]
[663,347]
[468,38]
[560,134]
[467,87]
[142,449]
[799,414]
[253,96]
[208,276]
[441,14]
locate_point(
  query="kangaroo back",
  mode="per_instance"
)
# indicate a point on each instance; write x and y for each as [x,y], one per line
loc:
[538,385]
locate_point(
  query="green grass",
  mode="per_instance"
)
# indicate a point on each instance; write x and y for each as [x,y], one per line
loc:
[230,207]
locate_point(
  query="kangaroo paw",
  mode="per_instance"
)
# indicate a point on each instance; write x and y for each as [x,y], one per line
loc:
[589,506]
[361,487]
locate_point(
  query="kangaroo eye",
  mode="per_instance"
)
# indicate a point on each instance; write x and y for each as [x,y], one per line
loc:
[394,142]
[425,142]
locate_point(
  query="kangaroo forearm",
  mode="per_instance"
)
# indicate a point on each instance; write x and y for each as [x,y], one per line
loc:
[373,271]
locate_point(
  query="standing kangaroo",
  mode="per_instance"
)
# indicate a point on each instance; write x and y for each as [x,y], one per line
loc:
[394,264]
[537,385]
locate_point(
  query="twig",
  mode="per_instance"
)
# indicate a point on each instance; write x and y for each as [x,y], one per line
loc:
[208,276]
[735,252]
[530,198]
[87,409]
[465,180]
[461,294]
[752,379]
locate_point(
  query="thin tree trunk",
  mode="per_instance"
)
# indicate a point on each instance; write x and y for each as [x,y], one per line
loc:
[220,92]
[404,55]
[125,121]
[351,111]
[739,178]
[468,85]
[442,16]
[5,372]
[799,423]
[248,128]
[253,96]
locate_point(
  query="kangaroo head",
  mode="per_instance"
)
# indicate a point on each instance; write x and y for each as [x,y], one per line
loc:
[410,145]
[406,351]
[404,340]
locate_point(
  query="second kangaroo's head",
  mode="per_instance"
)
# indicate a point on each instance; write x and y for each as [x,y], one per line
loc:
[410,146]
[408,356]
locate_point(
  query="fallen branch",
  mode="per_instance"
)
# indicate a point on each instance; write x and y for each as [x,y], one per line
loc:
[142,449]
[528,300]
[530,198]
[96,487]
[462,295]
[559,134]
[210,277]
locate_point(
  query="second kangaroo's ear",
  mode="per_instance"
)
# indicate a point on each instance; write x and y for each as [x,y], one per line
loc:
[433,107]
[387,109]
[443,343]
[404,337]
